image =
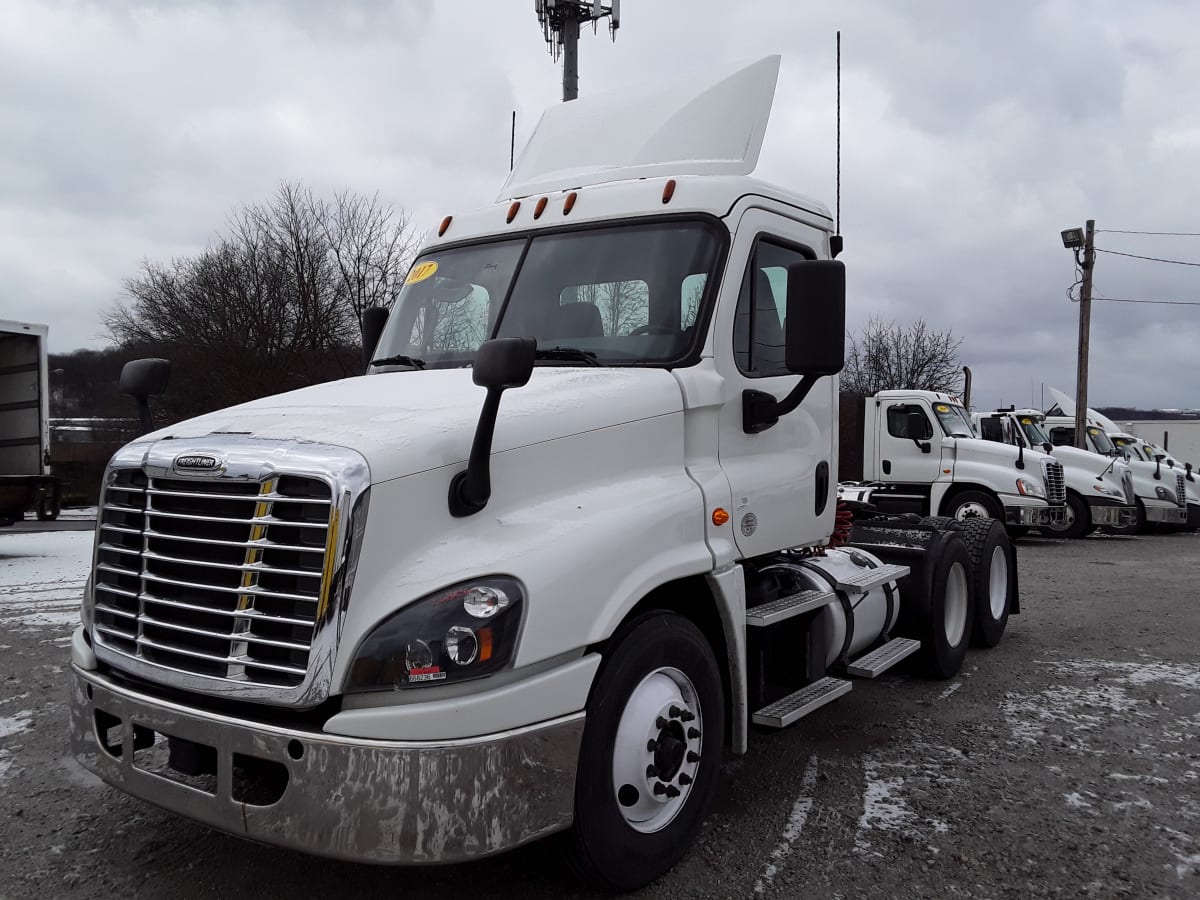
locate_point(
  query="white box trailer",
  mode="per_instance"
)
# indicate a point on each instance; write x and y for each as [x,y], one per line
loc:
[26,480]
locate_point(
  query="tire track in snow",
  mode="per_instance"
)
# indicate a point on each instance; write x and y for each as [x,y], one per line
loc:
[795,825]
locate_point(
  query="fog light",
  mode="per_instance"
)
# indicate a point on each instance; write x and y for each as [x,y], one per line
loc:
[418,656]
[461,645]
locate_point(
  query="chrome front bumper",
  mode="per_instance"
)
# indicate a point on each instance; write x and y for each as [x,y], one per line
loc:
[1034,515]
[1111,514]
[408,802]
[1166,515]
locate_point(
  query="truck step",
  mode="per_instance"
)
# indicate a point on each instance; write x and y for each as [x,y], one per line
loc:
[786,607]
[785,711]
[880,660]
[871,578]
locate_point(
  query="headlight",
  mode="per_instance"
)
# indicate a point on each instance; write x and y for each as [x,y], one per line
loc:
[466,631]
[1164,494]
[1028,488]
[1107,491]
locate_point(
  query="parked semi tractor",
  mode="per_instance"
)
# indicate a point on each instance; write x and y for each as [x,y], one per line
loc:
[27,480]
[917,452]
[552,554]
[1099,488]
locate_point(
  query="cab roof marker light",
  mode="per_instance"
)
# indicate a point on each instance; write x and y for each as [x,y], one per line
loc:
[444,226]
[513,210]
[668,191]
[540,208]
[569,203]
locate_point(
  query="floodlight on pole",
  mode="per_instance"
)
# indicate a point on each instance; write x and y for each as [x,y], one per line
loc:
[560,21]
[1072,238]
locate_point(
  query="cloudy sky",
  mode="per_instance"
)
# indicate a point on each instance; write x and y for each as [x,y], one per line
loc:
[972,134]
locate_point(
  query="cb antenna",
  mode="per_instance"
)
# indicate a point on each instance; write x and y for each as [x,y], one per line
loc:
[835,242]
[560,27]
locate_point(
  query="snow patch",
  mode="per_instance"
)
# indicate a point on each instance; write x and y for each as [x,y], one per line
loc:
[41,579]
[791,831]
[10,725]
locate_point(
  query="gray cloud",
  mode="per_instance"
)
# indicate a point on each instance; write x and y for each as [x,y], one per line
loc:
[971,135]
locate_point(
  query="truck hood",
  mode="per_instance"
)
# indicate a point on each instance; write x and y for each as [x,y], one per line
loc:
[413,421]
[1085,460]
[997,454]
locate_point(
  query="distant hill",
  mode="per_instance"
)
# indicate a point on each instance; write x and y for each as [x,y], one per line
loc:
[1125,413]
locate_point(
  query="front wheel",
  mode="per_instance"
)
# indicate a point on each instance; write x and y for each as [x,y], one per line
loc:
[1076,522]
[651,754]
[1136,527]
[973,505]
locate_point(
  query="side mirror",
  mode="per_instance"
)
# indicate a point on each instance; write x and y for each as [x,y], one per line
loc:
[373,322]
[1188,466]
[143,379]
[816,318]
[499,365]
[1047,446]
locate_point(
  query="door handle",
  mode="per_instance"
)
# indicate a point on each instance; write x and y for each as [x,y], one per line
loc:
[887,467]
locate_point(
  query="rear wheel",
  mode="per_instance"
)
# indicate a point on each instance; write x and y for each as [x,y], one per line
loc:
[47,509]
[651,754]
[951,612]
[973,505]
[994,566]
[1077,519]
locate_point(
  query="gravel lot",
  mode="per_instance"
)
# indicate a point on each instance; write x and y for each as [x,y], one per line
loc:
[1065,762]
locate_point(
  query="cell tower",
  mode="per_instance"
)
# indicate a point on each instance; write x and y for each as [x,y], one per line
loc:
[560,25]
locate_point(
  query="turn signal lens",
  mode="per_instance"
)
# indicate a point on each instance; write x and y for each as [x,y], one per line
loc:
[719,516]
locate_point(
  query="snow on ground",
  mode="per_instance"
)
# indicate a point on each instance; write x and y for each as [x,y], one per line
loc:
[41,581]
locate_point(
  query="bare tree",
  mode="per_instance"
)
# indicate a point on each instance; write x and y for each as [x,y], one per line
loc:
[273,304]
[890,356]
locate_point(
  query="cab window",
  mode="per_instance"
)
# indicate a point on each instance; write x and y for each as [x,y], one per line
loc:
[901,425]
[758,328]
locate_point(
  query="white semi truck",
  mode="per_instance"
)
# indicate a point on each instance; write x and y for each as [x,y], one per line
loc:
[917,452]
[27,479]
[574,534]
[1099,489]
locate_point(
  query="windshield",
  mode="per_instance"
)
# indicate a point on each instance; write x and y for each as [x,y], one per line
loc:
[1033,431]
[954,420]
[625,295]
[1129,446]
[1100,439]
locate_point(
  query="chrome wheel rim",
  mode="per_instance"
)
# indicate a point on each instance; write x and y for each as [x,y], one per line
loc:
[955,605]
[972,509]
[998,582]
[657,750]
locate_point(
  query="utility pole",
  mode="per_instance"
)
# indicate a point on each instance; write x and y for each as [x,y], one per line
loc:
[1085,327]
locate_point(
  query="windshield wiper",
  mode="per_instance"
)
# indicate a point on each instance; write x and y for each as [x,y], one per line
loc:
[571,354]
[400,360]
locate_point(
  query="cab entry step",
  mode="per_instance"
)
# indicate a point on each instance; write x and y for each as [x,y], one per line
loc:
[786,607]
[870,578]
[795,706]
[880,660]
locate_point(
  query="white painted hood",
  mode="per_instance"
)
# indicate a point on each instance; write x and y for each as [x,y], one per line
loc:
[411,421]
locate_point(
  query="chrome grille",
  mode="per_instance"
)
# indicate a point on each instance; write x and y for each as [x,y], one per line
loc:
[1180,489]
[1127,485]
[219,578]
[1056,485]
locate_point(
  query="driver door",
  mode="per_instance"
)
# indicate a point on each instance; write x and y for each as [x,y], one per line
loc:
[905,427]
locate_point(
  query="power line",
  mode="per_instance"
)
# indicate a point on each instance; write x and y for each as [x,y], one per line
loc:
[1159,233]
[1161,302]
[1176,262]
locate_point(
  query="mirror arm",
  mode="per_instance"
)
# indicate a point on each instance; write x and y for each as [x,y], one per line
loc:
[143,405]
[1021,456]
[760,410]
[471,489]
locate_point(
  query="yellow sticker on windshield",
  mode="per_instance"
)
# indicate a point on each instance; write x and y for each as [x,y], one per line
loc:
[942,407]
[1027,421]
[421,271]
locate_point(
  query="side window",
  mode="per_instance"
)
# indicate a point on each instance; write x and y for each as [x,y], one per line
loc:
[623,306]
[1062,436]
[690,293]
[758,326]
[900,423]
[990,429]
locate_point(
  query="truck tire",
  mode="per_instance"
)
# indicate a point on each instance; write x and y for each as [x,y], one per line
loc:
[651,754]
[47,510]
[973,505]
[947,629]
[994,565]
[1077,520]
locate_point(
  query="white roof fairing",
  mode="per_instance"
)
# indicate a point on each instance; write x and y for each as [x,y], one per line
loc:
[715,127]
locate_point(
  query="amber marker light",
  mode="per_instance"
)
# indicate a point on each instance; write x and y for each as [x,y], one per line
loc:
[569,203]
[540,208]
[513,210]
[720,517]
[445,224]
[485,643]
[668,190]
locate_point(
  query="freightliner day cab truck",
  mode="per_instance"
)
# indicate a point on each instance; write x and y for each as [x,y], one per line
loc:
[1099,489]
[26,478]
[916,451]
[574,534]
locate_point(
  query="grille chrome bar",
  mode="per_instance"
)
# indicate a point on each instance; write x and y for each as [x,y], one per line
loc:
[263,544]
[251,498]
[1180,490]
[248,590]
[225,660]
[253,614]
[1056,485]
[230,567]
[113,611]
[248,636]
[264,520]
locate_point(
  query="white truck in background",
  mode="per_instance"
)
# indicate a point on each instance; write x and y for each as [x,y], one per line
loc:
[1099,488]
[536,569]
[26,478]
[916,452]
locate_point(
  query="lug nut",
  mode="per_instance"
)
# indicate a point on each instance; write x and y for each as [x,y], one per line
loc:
[676,713]
[685,779]
[687,716]
[660,723]
[693,756]
[660,789]
[693,733]
[672,791]
[651,771]
[651,745]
